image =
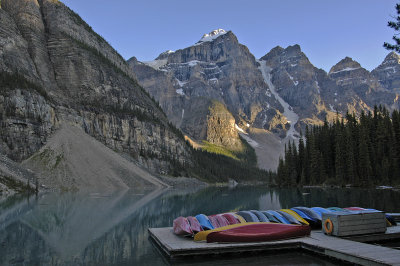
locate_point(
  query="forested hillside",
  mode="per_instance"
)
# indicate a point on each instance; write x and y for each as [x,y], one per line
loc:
[361,151]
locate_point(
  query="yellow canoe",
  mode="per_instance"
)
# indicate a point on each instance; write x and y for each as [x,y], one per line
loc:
[295,215]
[202,236]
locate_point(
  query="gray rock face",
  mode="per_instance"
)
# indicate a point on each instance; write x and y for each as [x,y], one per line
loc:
[218,68]
[68,73]
[316,95]
[296,80]
[357,89]
[388,73]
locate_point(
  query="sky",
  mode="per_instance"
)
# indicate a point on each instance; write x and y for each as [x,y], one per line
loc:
[326,30]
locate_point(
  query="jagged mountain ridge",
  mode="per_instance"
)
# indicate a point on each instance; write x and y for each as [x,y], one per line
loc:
[198,72]
[218,67]
[55,69]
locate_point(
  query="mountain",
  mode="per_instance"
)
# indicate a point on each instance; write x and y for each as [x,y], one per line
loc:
[54,70]
[299,83]
[217,69]
[316,95]
[271,99]
[388,73]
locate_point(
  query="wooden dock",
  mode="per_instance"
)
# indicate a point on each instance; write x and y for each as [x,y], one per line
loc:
[342,249]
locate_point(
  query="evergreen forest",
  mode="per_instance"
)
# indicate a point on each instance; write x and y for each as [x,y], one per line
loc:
[359,151]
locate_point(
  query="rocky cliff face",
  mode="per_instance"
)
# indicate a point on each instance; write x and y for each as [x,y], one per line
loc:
[217,68]
[316,95]
[55,69]
[298,82]
[280,93]
[358,89]
[388,73]
[221,128]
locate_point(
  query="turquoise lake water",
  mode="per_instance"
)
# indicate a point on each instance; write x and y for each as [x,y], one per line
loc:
[98,229]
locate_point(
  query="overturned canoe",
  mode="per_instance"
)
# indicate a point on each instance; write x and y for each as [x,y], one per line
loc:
[202,236]
[194,224]
[248,216]
[204,222]
[296,216]
[231,218]
[259,233]
[182,227]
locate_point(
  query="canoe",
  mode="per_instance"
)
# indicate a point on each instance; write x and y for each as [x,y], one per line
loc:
[194,224]
[202,236]
[222,221]
[248,216]
[315,224]
[270,217]
[261,217]
[214,221]
[313,214]
[354,209]
[204,222]
[279,217]
[336,209]
[289,217]
[231,218]
[182,227]
[295,215]
[320,210]
[240,218]
[259,233]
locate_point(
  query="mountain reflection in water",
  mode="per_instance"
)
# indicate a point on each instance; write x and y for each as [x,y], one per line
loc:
[98,229]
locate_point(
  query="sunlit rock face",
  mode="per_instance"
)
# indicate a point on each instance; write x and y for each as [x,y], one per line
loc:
[217,67]
[57,69]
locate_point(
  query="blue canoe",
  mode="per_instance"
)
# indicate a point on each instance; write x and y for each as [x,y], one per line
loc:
[310,212]
[261,217]
[270,217]
[248,216]
[204,222]
[320,210]
[279,217]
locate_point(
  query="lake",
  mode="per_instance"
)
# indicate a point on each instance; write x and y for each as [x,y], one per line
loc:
[98,229]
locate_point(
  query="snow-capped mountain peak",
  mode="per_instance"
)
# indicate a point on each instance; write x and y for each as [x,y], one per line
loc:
[208,37]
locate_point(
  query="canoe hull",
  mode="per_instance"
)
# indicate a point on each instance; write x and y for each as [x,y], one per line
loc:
[182,227]
[259,233]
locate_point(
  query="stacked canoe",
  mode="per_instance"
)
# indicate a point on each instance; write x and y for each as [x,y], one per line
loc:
[256,226]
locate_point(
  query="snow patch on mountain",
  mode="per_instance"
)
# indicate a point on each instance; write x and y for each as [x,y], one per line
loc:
[208,37]
[240,129]
[180,92]
[346,69]
[291,116]
[181,83]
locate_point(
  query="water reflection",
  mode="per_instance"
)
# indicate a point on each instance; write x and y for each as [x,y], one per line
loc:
[76,229]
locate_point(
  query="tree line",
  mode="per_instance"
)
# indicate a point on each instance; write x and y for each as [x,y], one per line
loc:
[360,151]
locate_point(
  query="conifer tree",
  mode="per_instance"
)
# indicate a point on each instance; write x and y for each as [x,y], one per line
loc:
[396,26]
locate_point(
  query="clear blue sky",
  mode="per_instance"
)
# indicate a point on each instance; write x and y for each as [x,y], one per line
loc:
[327,30]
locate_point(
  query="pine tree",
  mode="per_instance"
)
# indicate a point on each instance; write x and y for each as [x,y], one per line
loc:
[396,26]
[364,167]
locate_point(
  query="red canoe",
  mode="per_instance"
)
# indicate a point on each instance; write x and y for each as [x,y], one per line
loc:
[182,226]
[194,224]
[222,220]
[259,233]
[230,218]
